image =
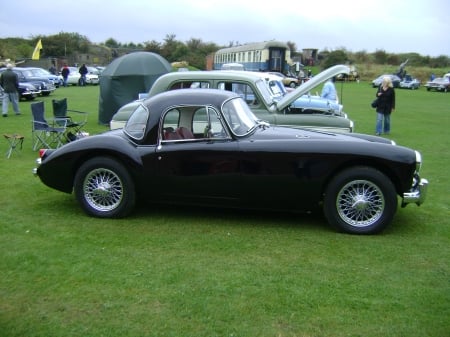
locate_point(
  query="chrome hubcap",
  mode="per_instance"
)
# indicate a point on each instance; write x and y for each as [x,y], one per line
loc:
[103,189]
[360,203]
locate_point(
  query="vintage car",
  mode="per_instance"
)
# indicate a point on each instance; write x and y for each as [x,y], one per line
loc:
[27,91]
[74,77]
[394,78]
[41,83]
[41,72]
[277,108]
[409,82]
[207,148]
[288,81]
[439,84]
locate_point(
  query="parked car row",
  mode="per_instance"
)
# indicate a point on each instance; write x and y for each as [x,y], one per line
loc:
[394,78]
[409,82]
[33,82]
[439,84]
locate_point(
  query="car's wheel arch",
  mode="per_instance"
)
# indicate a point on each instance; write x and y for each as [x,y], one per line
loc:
[359,199]
[93,200]
[357,163]
[133,165]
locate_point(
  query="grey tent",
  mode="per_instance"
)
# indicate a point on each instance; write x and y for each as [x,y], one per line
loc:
[125,77]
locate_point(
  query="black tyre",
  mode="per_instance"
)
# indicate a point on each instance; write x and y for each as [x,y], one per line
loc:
[360,200]
[104,188]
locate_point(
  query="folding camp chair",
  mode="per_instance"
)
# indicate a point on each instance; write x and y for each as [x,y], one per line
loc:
[73,127]
[45,135]
[15,142]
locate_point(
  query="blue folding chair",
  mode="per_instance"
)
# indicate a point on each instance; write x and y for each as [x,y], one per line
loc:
[44,134]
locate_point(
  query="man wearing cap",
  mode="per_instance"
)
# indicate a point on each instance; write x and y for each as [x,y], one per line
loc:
[10,84]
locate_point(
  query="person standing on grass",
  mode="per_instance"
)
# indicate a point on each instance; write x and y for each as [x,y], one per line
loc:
[386,105]
[83,72]
[9,81]
[65,74]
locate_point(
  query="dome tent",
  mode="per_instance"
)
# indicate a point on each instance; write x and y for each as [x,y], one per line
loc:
[125,77]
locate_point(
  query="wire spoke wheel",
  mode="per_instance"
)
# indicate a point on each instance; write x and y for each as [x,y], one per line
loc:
[360,203]
[360,200]
[103,189]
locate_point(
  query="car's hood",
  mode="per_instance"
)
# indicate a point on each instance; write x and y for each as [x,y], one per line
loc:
[286,133]
[307,86]
[27,85]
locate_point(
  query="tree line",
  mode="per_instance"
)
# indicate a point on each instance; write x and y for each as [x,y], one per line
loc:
[193,51]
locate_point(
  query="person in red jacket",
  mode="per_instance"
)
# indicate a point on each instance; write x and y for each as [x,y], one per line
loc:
[65,74]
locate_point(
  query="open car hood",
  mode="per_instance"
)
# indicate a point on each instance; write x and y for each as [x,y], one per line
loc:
[303,89]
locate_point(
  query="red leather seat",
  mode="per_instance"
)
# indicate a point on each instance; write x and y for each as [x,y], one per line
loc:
[185,133]
[170,134]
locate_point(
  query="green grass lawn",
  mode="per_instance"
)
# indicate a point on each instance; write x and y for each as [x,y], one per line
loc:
[195,272]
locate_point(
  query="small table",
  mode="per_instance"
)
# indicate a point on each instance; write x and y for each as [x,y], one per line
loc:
[14,141]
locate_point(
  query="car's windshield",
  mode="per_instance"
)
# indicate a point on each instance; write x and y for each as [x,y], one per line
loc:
[277,88]
[265,92]
[137,123]
[40,72]
[238,116]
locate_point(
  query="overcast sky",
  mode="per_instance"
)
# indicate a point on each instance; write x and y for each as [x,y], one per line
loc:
[421,26]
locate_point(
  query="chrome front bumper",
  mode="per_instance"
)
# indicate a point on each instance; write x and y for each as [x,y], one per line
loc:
[417,194]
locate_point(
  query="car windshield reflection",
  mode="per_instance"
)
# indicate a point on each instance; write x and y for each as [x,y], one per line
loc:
[239,117]
[137,123]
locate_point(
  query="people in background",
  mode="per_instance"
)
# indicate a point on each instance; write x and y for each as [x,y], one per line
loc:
[329,90]
[52,69]
[83,72]
[386,105]
[65,74]
[9,81]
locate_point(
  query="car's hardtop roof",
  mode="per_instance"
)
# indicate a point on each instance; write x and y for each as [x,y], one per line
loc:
[210,74]
[214,97]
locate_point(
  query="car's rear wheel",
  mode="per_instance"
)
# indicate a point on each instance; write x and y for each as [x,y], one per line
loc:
[360,200]
[104,188]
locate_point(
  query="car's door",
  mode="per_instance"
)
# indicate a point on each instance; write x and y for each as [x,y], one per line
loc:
[197,157]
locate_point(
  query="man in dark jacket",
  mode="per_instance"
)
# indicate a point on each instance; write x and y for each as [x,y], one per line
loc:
[83,71]
[10,84]
[385,106]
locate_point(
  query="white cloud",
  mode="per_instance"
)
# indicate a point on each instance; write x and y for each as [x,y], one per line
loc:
[394,26]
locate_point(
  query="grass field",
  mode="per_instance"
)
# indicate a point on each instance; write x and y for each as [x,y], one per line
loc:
[196,272]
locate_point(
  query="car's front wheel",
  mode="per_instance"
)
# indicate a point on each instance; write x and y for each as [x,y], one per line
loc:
[104,188]
[360,200]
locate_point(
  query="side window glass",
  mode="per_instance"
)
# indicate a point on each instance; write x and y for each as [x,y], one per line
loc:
[242,89]
[207,123]
[189,84]
[200,85]
[170,125]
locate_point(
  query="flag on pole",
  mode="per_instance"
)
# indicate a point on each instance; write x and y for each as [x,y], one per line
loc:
[37,51]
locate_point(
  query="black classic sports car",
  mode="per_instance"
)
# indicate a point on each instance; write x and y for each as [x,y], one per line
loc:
[206,147]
